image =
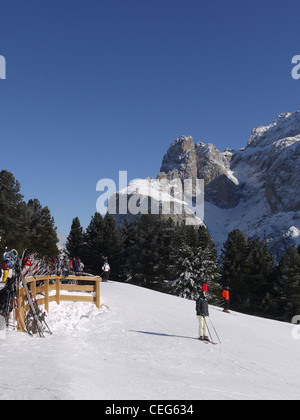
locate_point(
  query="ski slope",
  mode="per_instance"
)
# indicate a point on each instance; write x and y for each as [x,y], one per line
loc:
[142,345]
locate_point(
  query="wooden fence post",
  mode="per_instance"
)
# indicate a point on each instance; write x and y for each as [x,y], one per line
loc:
[57,290]
[33,288]
[98,293]
[47,295]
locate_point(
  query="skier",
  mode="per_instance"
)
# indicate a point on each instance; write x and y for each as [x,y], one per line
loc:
[226,299]
[5,268]
[106,271]
[204,287]
[202,315]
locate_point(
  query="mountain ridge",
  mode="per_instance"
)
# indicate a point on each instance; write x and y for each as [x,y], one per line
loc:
[255,188]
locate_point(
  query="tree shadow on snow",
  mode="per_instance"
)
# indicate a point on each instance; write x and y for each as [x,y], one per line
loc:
[164,335]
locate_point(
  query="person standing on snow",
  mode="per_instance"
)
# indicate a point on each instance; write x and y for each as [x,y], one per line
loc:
[106,271]
[202,315]
[226,299]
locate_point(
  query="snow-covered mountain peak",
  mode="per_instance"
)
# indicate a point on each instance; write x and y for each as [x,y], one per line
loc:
[254,189]
[285,125]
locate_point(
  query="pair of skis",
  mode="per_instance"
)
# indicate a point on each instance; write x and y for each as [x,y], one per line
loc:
[38,318]
[209,342]
[35,317]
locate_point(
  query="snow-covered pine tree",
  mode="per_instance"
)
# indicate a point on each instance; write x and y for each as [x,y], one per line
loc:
[210,272]
[196,264]
[187,284]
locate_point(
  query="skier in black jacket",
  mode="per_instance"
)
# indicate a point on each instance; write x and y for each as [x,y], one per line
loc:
[202,315]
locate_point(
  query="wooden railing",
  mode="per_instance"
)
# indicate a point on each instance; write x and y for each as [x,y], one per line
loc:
[54,283]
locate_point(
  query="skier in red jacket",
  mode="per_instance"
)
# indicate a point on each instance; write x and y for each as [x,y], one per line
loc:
[226,299]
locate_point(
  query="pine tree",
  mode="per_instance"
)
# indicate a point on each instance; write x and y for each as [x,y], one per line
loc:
[259,275]
[48,242]
[144,252]
[42,236]
[75,240]
[288,285]
[196,264]
[234,253]
[210,266]
[167,237]
[187,284]
[112,245]
[126,261]
[13,228]
[24,226]
[94,252]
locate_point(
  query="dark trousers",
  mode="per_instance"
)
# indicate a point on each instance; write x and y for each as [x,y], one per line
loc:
[106,275]
[226,305]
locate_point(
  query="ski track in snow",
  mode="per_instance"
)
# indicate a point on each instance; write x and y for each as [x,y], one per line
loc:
[142,345]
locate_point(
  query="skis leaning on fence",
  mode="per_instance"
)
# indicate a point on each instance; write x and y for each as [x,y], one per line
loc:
[33,312]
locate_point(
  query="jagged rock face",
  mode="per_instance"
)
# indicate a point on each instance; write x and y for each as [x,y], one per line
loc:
[180,160]
[214,167]
[184,160]
[282,181]
[255,189]
[272,157]
[211,163]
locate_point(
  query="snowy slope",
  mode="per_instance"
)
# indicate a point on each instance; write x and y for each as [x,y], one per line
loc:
[141,345]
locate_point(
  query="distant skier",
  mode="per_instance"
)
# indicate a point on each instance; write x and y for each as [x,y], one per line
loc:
[204,287]
[106,271]
[202,315]
[226,299]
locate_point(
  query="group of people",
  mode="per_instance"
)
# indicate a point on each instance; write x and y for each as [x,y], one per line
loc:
[202,310]
[72,266]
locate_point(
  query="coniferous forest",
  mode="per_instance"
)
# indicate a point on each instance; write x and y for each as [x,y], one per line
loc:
[24,225]
[161,255]
[176,259]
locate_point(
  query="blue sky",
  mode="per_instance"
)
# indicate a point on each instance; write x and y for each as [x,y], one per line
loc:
[98,86]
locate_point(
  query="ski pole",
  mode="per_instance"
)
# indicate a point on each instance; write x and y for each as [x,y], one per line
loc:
[215,331]
[219,303]
[208,329]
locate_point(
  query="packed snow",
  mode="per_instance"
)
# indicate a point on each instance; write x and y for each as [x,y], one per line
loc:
[143,345]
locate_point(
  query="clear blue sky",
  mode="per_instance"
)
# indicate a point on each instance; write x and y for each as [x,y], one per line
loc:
[98,86]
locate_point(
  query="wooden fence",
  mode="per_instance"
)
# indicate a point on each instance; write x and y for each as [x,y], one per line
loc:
[54,283]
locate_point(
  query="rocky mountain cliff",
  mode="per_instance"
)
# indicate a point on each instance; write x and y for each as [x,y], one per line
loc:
[254,189]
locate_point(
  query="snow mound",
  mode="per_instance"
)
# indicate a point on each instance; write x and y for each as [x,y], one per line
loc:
[143,345]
